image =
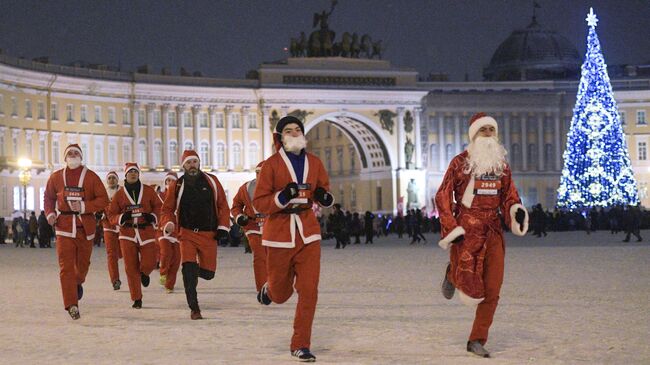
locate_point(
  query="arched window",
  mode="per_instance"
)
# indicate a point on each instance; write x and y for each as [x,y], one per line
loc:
[173,153]
[188,145]
[204,154]
[142,153]
[236,154]
[221,155]
[157,153]
[253,154]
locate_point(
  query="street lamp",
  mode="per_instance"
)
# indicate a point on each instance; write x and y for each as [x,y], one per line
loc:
[25,177]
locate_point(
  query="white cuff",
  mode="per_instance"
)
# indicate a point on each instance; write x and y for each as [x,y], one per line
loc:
[119,220]
[514,225]
[277,200]
[165,229]
[332,203]
[467,300]
[51,214]
[455,233]
[224,228]
[83,207]
[237,217]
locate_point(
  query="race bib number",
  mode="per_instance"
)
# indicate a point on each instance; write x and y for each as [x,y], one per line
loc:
[73,193]
[259,218]
[304,194]
[135,209]
[487,185]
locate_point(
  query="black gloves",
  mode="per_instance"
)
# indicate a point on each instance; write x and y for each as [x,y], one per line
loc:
[290,191]
[459,239]
[323,197]
[125,217]
[242,220]
[222,234]
[148,217]
[520,214]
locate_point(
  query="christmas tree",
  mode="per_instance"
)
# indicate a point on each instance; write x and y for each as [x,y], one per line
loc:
[597,170]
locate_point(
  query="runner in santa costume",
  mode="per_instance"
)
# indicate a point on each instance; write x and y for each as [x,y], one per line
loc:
[289,182]
[251,221]
[135,208]
[170,251]
[72,197]
[197,211]
[111,235]
[476,193]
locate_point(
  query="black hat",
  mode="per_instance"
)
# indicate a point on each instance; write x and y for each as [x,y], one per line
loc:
[289,119]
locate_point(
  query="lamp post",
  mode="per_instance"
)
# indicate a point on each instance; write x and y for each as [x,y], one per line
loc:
[25,177]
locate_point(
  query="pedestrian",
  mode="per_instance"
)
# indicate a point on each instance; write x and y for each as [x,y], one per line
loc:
[170,250]
[72,197]
[135,208]
[197,212]
[252,221]
[32,229]
[43,231]
[291,180]
[480,180]
[368,226]
[111,233]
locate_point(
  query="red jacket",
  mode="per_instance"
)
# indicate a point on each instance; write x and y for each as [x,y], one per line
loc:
[105,223]
[93,199]
[148,201]
[279,227]
[242,205]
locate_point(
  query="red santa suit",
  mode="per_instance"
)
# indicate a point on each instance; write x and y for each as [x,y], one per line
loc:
[473,207]
[292,237]
[137,236]
[111,239]
[242,206]
[74,231]
[170,252]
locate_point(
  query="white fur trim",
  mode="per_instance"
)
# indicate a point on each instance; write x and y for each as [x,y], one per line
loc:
[119,220]
[71,148]
[455,233]
[276,199]
[467,300]
[224,228]
[514,226]
[83,207]
[480,122]
[165,229]
[190,158]
[331,204]
[237,217]
[468,194]
[51,214]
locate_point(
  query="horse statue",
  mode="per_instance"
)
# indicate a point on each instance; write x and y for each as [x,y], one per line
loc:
[314,45]
[355,47]
[366,45]
[345,45]
[376,50]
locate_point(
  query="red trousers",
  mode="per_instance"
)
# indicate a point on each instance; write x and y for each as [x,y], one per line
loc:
[259,259]
[198,244]
[170,260]
[137,259]
[297,267]
[113,254]
[74,261]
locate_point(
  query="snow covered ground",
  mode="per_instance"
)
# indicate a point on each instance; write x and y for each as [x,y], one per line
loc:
[568,298]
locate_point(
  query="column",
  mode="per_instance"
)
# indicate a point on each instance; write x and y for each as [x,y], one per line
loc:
[400,138]
[266,131]
[136,133]
[165,135]
[244,119]
[180,128]
[150,136]
[418,137]
[196,136]
[558,140]
[212,110]
[442,142]
[524,142]
[231,162]
[457,142]
[540,143]
[506,133]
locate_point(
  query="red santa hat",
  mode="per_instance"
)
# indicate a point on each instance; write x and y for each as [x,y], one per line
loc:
[171,175]
[131,166]
[479,120]
[188,155]
[258,168]
[73,147]
[112,173]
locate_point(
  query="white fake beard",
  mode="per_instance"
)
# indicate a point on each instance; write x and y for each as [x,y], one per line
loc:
[486,156]
[73,162]
[294,144]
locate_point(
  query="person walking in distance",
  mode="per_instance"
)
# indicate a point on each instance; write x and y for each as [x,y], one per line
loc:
[135,208]
[196,210]
[290,180]
[72,196]
[480,180]
[251,221]
[111,235]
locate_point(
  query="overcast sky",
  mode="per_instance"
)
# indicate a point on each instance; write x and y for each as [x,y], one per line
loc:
[228,38]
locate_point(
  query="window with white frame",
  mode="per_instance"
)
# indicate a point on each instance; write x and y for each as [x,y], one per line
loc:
[157,153]
[142,152]
[640,117]
[187,120]
[328,159]
[112,154]
[204,153]
[41,110]
[171,119]
[84,114]
[2,106]
[236,154]
[2,143]
[188,145]
[173,153]
[236,120]
[141,121]
[622,117]
[221,154]
[54,111]
[18,200]
[56,152]
[252,120]
[353,160]
[69,112]
[14,143]
[642,148]
[41,150]
[203,120]
[98,114]
[28,108]
[14,107]
[99,154]
[353,196]
[156,118]
[28,146]
[219,121]
[253,154]
[126,152]
[85,151]
[126,118]
[111,115]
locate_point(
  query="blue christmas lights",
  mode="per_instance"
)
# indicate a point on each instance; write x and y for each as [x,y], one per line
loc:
[597,170]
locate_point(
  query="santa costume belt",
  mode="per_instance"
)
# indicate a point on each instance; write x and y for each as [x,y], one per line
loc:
[137,225]
[487,213]
[69,213]
[293,210]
